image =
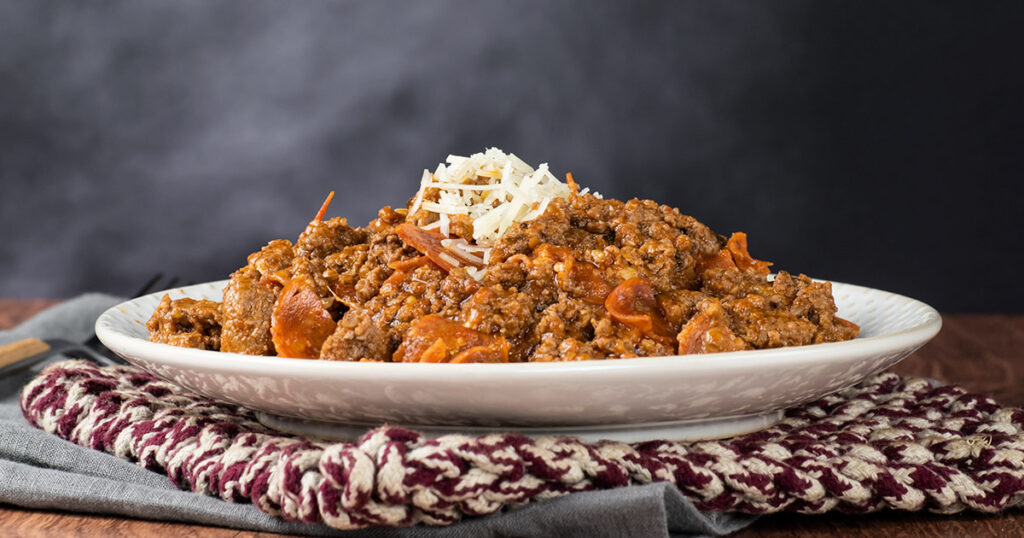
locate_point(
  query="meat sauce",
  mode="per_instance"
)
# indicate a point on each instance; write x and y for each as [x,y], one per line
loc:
[589,278]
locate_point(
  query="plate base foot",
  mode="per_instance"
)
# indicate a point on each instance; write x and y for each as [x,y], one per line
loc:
[685,430]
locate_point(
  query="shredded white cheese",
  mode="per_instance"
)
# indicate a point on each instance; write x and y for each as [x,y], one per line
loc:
[476,274]
[449,258]
[465,250]
[444,221]
[494,189]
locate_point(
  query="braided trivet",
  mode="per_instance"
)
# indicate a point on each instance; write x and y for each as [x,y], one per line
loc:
[889,442]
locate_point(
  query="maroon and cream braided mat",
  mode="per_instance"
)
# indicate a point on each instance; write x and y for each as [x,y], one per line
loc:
[889,442]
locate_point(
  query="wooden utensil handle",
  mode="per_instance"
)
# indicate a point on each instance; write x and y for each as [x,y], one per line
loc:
[22,349]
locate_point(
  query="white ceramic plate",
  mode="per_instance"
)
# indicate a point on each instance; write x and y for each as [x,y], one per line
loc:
[694,396]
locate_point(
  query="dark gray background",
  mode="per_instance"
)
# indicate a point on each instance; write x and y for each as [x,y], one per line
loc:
[876,143]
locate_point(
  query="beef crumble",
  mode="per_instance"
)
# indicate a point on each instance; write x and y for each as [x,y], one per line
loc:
[588,279]
[186,323]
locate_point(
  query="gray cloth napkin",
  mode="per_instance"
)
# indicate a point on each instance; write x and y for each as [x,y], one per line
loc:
[39,470]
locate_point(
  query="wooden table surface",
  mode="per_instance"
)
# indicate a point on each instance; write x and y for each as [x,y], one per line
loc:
[983,353]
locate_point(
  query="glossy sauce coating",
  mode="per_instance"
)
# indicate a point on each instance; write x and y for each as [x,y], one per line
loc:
[588,279]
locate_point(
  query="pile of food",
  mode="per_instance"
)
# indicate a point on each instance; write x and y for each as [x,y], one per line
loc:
[495,261]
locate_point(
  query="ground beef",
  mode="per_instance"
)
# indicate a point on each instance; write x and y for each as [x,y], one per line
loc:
[761,326]
[588,279]
[322,238]
[276,256]
[358,337]
[680,305]
[562,331]
[709,331]
[249,299]
[506,312]
[732,284]
[246,310]
[186,323]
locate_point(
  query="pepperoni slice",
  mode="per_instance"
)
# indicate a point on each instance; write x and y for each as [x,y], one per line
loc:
[346,293]
[737,246]
[719,260]
[404,268]
[632,303]
[496,351]
[580,278]
[709,332]
[734,256]
[853,327]
[300,324]
[410,265]
[428,242]
[433,338]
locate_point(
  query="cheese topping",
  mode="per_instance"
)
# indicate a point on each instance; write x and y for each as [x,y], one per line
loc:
[494,189]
